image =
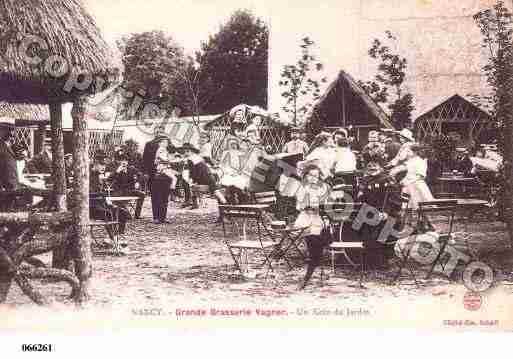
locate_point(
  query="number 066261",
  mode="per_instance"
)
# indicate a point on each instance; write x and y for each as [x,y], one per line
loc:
[37,347]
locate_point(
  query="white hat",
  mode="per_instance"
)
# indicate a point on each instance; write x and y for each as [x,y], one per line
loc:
[241,107]
[407,134]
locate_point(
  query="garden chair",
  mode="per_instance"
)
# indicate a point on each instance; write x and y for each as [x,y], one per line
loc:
[241,216]
[337,217]
[416,240]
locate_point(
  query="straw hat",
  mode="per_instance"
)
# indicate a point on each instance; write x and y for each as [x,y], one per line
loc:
[407,134]
[373,136]
[237,108]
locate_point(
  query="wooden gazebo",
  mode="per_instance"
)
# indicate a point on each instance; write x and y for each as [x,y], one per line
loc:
[456,115]
[345,104]
[53,53]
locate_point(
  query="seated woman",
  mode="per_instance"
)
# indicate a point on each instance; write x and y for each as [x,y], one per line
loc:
[323,150]
[312,194]
[198,170]
[233,179]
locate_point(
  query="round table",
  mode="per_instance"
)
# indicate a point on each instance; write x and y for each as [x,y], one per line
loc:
[451,181]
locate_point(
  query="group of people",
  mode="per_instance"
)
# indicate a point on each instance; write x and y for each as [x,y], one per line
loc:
[168,166]
[388,160]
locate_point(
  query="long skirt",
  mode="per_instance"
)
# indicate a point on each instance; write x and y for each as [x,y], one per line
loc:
[419,192]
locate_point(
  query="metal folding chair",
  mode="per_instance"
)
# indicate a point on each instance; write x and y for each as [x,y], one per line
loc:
[240,216]
[449,208]
[405,245]
[338,216]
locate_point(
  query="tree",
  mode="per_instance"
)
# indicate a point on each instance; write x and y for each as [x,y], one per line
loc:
[389,82]
[301,89]
[496,27]
[152,61]
[233,63]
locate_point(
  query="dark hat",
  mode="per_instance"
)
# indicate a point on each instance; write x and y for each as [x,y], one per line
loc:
[189,147]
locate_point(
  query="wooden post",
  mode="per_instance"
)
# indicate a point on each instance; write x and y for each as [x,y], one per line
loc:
[40,139]
[58,169]
[80,210]
[60,257]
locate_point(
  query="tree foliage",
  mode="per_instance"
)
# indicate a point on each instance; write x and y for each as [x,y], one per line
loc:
[153,62]
[387,87]
[233,64]
[497,29]
[301,89]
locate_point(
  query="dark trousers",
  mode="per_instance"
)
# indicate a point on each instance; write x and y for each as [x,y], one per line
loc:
[160,190]
[315,246]
[138,206]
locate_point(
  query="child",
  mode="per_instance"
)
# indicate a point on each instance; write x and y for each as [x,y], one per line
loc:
[311,195]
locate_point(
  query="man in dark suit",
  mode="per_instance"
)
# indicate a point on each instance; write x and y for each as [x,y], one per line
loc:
[8,175]
[42,163]
[150,150]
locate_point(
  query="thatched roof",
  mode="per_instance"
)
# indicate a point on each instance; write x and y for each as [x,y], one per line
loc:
[46,30]
[345,103]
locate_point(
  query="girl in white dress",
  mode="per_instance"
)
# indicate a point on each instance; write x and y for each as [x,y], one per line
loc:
[313,193]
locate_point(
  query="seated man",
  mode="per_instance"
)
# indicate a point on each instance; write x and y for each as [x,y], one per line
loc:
[99,208]
[126,181]
[374,189]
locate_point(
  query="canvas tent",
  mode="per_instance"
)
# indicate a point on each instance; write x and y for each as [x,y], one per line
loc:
[345,104]
[456,115]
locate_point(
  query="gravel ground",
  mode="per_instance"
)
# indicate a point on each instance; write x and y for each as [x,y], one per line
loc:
[185,265]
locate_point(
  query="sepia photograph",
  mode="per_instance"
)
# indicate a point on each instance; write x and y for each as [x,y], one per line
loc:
[281,164]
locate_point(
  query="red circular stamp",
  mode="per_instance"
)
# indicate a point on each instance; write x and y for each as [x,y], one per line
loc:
[472,301]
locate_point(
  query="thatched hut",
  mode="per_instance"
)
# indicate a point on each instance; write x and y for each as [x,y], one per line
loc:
[53,53]
[346,104]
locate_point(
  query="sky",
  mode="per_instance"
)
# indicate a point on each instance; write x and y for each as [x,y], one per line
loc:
[192,21]
[438,37]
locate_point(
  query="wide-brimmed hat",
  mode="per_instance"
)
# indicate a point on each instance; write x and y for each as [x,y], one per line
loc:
[304,166]
[189,147]
[407,134]
[237,108]
[373,135]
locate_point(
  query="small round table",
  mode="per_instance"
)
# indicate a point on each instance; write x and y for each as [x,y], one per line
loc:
[447,182]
